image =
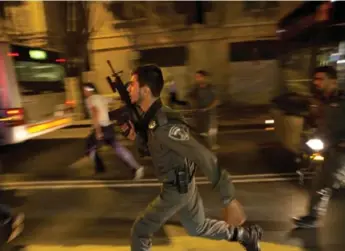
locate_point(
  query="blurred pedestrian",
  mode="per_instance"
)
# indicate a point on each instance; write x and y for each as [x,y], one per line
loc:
[206,101]
[103,132]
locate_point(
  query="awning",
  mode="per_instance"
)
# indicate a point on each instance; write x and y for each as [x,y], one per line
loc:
[320,22]
[305,9]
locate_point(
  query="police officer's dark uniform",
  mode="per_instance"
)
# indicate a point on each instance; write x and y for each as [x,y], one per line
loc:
[330,121]
[5,224]
[175,155]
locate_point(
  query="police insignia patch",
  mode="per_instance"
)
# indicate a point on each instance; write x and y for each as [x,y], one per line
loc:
[179,133]
[152,125]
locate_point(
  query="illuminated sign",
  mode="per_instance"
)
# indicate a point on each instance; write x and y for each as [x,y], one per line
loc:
[38,54]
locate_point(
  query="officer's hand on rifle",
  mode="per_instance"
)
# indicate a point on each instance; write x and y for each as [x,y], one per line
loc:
[132,134]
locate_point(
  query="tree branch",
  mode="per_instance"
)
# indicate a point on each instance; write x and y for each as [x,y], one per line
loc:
[96,26]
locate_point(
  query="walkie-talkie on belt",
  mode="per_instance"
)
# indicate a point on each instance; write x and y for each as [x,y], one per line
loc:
[182,179]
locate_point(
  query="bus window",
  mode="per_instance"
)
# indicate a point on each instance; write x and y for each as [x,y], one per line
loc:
[37,78]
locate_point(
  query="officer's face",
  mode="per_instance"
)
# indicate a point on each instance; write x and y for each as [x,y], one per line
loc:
[322,83]
[199,78]
[133,89]
[319,80]
[137,94]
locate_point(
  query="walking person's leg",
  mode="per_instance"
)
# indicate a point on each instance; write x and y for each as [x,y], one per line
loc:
[91,145]
[321,191]
[122,152]
[126,156]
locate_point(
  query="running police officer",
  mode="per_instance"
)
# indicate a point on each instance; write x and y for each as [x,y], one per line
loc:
[11,225]
[175,155]
[329,117]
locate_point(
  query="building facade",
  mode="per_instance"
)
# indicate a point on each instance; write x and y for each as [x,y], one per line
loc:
[234,43]
[31,23]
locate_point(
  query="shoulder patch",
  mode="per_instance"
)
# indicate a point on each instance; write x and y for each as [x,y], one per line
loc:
[152,125]
[179,133]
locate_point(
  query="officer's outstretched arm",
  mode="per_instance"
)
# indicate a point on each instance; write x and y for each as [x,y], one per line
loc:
[177,138]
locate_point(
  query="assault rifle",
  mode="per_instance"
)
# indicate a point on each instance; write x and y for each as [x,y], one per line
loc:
[127,113]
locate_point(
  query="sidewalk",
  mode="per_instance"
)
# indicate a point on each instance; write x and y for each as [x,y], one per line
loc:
[181,244]
[179,241]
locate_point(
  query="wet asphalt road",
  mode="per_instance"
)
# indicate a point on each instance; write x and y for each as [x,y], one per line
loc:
[102,215]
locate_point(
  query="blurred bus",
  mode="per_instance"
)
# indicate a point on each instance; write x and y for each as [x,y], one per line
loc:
[32,93]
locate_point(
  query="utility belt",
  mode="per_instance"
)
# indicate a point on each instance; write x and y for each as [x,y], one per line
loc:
[182,179]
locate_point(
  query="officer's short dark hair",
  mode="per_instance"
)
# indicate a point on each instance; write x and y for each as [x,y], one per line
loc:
[151,76]
[203,73]
[328,70]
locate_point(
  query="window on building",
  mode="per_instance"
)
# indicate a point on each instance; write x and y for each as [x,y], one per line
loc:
[253,50]
[251,6]
[164,56]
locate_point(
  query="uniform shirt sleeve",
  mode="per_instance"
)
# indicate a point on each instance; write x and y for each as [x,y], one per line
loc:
[213,93]
[191,93]
[178,138]
[336,132]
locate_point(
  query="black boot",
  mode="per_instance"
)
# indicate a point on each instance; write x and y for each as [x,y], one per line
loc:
[307,221]
[249,237]
[99,165]
[318,207]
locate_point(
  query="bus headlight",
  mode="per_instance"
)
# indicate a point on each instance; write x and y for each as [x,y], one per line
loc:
[315,144]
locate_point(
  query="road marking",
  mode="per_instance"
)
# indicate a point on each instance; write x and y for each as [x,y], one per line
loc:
[119,181]
[80,185]
[82,133]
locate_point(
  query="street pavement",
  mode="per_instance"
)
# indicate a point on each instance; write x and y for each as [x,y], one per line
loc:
[60,155]
[68,208]
[89,218]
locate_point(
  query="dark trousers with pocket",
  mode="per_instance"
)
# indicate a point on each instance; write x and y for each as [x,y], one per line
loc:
[191,210]
[5,223]
[109,138]
[325,181]
[92,144]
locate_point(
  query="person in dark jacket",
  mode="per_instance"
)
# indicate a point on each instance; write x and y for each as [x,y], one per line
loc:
[328,114]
